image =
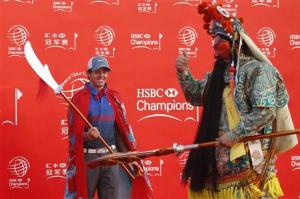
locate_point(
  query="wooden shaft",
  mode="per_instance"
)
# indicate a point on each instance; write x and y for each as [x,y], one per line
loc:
[100,139]
[271,135]
[131,156]
[253,137]
[207,144]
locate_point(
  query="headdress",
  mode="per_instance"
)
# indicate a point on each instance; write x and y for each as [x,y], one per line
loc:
[219,22]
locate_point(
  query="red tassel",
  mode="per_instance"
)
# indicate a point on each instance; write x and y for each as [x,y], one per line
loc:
[206,26]
[206,18]
[224,48]
[202,7]
[232,71]
[42,89]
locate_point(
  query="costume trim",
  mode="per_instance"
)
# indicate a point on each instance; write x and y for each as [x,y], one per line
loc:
[242,190]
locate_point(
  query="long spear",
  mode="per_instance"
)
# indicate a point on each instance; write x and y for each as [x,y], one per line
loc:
[118,158]
[44,73]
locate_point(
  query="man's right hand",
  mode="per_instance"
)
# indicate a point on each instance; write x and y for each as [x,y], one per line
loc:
[182,62]
[93,133]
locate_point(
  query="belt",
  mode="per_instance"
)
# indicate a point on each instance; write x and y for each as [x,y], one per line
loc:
[98,150]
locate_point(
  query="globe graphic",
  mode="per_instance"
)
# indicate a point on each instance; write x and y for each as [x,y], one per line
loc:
[266,36]
[74,85]
[104,35]
[187,36]
[17,35]
[18,167]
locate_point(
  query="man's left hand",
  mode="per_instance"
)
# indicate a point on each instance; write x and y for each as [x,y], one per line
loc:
[226,140]
[137,168]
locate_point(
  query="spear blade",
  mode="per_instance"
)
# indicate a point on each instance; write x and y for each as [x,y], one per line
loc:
[41,70]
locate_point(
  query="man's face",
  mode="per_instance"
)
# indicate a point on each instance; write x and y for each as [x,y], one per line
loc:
[98,78]
[221,47]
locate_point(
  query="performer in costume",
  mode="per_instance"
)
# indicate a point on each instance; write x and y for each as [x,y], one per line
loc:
[243,95]
[106,112]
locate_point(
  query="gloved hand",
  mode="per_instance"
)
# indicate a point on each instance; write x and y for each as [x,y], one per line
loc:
[225,140]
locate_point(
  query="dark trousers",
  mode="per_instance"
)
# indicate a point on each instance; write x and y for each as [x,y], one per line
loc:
[104,179]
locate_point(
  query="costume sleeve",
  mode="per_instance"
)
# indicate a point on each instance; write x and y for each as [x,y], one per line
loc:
[192,89]
[266,92]
[253,122]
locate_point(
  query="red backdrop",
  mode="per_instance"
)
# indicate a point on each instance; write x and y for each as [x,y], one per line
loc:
[141,39]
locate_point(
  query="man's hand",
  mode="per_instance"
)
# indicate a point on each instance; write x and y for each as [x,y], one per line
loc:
[93,133]
[137,168]
[182,62]
[225,139]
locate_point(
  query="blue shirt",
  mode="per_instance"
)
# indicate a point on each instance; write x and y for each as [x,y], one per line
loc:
[101,116]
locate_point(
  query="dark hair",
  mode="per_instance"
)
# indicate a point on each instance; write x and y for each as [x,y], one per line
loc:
[90,70]
[246,50]
[201,165]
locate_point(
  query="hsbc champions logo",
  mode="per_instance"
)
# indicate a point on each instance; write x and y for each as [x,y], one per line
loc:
[107,2]
[187,37]
[266,3]
[18,167]
[163,103]
[104,37]
[67,41]
[55,170]
[17,36]
[231,6]
[295,41]
[73,83]
[147,6]
[154,167]
[148,41]
[295,162]
[266,37]
[62,6]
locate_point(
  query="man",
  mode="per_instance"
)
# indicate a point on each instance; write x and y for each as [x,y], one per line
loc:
[242,96]
[105,111]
